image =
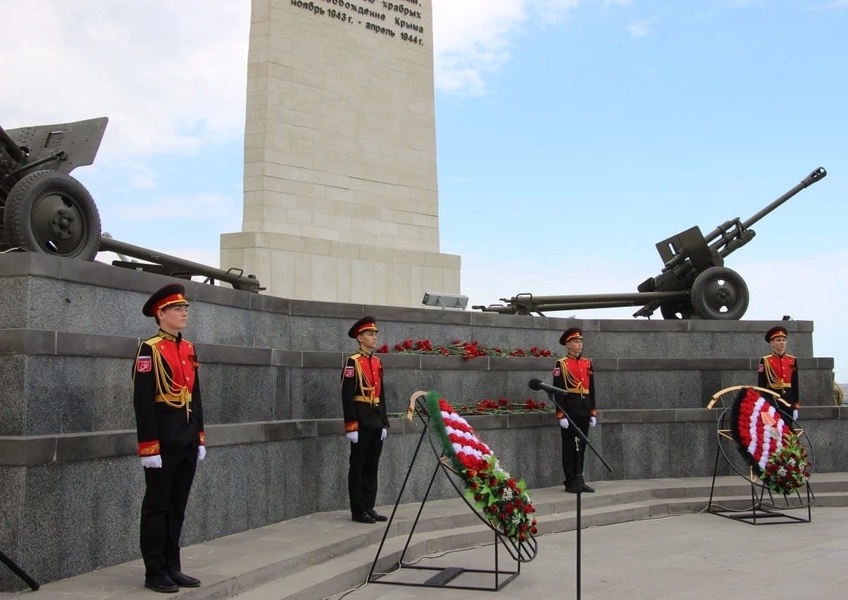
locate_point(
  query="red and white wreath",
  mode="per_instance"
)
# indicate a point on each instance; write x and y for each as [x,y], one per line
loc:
[502,499]
[759,428]
[768,443]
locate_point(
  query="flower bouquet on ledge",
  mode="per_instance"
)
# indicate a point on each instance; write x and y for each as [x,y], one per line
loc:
[467,350]
[787,468]
[501,406]
[502,500]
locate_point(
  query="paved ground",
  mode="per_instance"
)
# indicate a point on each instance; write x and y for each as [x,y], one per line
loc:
[679,557]
[626,552]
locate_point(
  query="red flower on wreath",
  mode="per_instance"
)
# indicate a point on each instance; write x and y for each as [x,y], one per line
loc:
[502,499]
[769,443]
[760,427]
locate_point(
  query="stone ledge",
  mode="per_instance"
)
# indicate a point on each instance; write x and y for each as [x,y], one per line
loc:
[61,343]
[25,264]
[21,451]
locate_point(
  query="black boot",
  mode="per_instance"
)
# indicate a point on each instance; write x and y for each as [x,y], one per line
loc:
[162,584]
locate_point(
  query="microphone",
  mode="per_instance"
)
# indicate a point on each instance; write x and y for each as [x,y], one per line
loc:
[536,384]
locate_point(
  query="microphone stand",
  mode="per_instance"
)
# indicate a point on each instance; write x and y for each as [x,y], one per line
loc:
[579,437]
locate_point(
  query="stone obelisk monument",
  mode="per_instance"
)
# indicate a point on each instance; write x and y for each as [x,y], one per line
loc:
[340,190]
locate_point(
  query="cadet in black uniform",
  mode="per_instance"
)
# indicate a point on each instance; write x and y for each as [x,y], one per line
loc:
[366,423]
[778,372]
[169,421]
[574,373]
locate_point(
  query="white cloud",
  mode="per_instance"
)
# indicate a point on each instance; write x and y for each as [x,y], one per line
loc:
[141,176]
[472,38]
[171,76]
[640,28]
[742,3]
[196,207]
[554,10]
[831,5]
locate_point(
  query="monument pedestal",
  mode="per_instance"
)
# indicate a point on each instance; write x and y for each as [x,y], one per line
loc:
[302,268]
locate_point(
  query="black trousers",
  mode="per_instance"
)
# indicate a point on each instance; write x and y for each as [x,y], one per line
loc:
[572,458]
[362,473]
[163,510]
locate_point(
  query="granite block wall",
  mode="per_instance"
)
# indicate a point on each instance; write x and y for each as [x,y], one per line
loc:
[71,484]
[61,393]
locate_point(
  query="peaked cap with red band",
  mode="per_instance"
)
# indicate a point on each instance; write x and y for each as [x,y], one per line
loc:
[363,324]
[775,332]
[169,295]
[570,334]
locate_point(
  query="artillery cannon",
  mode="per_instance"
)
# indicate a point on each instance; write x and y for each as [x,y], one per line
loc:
[44,209]
[694,283]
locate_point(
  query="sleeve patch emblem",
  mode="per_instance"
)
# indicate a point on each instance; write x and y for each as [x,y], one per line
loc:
[557,372]
[761,368]
[144,364]
[348,372]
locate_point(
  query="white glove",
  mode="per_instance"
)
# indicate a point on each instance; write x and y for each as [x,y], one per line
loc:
[795,414]
[592,422]
[151,462]
[201,452]
[384,434]
[563,423]
[353,436]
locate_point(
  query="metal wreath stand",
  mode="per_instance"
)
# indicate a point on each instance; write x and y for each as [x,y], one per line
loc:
[765,509]
[519,552]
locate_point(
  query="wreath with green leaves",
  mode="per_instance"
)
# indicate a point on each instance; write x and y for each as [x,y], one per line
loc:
[788,468]
[768,443]
[502,499]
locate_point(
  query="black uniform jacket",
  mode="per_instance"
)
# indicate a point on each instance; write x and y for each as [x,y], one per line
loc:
[575,375]
[166,395]
[780,374]
[363,396]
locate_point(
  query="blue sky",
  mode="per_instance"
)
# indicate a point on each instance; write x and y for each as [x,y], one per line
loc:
[572,134]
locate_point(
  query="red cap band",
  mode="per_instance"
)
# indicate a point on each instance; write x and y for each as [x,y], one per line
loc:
[169,301]
[366,327]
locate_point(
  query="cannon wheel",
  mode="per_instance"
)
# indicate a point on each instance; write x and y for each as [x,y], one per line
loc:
[720,293]
[680,309]
[52,213]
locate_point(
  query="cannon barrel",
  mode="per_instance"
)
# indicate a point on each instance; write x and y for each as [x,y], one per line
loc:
[732,235]
[11,147]
[724,243]
[631,298]
[528,303]
[813,177]
[174,264]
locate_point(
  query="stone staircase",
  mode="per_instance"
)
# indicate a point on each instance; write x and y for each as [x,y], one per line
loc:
[325,553]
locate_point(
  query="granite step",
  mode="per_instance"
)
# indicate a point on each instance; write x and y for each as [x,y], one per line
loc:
[556,512]
[325,553]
